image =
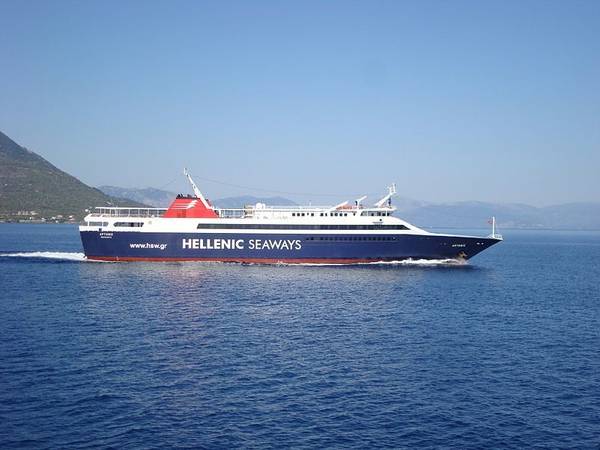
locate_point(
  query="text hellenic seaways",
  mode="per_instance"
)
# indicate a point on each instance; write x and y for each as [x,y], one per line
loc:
[240,244]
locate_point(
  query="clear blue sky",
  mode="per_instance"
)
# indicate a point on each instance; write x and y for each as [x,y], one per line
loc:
[453,100]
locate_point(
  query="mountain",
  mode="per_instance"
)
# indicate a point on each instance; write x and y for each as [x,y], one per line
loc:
[162,199]
[148,196]
[570,216]
[584,216]
[31,187]
[240,202]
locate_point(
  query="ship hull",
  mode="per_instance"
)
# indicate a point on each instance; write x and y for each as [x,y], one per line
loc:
[278,248]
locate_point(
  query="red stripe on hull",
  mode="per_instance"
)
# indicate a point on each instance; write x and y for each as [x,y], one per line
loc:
[241,260]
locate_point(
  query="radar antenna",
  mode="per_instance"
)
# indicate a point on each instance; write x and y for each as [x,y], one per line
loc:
[388,197]
[197,192]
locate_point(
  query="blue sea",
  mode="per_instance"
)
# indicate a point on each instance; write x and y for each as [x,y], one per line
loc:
[502,352]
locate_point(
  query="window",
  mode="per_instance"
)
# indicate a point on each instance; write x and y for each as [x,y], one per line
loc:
[129,224]
[271,226]
[97,224]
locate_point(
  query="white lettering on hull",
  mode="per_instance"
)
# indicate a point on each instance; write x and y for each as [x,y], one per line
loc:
[240,244]
[275,244]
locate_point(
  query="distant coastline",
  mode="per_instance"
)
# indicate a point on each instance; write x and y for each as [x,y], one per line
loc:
[32,190]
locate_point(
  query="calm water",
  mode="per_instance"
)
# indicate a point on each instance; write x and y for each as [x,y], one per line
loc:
[503,352]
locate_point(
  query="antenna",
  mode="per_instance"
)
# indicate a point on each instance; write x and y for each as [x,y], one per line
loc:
[197,192]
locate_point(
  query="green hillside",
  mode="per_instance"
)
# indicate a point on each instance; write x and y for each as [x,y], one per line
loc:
[32,187]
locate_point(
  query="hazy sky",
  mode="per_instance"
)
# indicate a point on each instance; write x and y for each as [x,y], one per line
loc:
[492,101]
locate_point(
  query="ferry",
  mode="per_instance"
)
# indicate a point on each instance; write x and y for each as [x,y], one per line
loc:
[192,229]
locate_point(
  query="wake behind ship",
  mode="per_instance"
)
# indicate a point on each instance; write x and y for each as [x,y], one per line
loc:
[192,229]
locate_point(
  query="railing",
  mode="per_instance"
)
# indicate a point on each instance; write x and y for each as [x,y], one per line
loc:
[127,212]
[249,209]
[233,213]
[226,213]
[253,208]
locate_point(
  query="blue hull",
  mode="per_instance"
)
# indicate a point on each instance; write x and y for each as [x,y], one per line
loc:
[269,248]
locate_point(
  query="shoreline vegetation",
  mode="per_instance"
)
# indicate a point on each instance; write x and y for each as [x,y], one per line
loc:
[33,189]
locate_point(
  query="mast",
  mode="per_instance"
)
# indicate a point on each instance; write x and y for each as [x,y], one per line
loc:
[494,235]
[390,194]
[359,200]
[197,192]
